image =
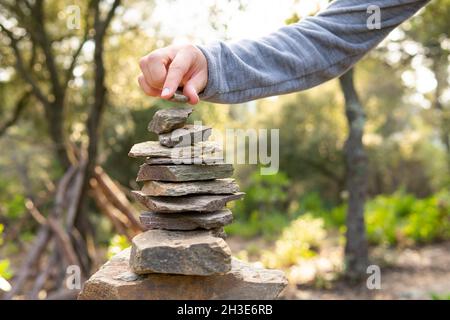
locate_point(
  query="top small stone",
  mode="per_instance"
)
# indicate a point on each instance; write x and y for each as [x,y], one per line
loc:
[167,120]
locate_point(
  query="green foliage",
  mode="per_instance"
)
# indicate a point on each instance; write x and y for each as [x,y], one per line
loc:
[117,244]
[397,218]
[269,225]
[435,296]
[265,193]
[263,209]
[400,217]
[300,240]
[5,271]
[15,207]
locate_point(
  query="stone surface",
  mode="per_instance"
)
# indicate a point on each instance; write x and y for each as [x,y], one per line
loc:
[115,281]
[185,136]
[175,189]
[166,120]
[186,221]
[154,149]
[201,203]
[181,173]
[178,97]
[198,252]
[206,159]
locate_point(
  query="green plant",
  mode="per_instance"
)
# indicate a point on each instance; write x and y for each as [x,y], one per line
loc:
[5,271]
[264,195]
[268,225]
[300,240]
[401,217]
[117,244]
[436,296]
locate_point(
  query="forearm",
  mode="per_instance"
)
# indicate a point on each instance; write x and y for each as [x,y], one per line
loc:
[302,55]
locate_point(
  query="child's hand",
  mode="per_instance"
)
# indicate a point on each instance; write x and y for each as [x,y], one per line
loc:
[166,69]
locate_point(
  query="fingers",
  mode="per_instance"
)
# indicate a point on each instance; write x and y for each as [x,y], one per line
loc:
[193,87]
[167,69]
[147,89]
[178,68]
[154,67]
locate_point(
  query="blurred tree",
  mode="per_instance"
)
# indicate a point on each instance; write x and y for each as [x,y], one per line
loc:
[356,255]
[431,30]
[38,40]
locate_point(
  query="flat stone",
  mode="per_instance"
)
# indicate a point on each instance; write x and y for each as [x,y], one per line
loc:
[185,136]
[154,149]
[178,97]
[206,159]
[181,173]
[198,252]
[166,120]
[115,281]
[201,203]
[186,221]
[175,189]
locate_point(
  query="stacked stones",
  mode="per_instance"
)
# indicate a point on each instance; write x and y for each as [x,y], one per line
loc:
[182,254]
[185,188]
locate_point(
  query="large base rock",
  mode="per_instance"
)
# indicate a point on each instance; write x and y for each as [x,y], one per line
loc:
[197,252]
[115,281]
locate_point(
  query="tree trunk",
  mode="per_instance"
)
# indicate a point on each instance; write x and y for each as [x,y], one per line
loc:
[95,113]
[356,255]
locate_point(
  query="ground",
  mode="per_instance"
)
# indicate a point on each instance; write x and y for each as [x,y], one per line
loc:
[418,272]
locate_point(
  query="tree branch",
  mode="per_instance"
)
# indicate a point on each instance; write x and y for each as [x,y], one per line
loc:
[21,67]
[20,106]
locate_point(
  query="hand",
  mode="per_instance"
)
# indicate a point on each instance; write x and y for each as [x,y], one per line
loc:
[166,69]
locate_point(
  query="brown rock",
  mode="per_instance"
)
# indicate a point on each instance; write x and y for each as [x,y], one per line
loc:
[185,136]
[198,252]
[201,203]
[179,173]
[154,149]
[115,281]
[175,189]
[186,221]
[166,120]
[206,159]
[177,97]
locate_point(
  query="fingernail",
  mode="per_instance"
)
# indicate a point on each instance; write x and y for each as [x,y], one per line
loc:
[165,92]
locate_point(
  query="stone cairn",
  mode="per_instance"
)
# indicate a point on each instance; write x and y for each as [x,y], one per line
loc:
[182,254]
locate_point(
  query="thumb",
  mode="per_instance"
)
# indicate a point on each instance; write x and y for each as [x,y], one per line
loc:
[193,87]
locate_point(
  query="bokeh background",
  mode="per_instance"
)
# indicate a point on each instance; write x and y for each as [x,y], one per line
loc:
[70,109]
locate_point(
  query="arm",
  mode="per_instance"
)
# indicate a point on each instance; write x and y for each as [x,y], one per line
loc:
[302,55]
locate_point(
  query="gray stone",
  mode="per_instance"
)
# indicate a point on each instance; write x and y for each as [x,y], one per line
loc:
[185,136]
[198,252]
[201,203]
[180,98]
[166,120]
[175,189]
[186,220]
[244,281]
[154,149]
[181,173]
[206,159]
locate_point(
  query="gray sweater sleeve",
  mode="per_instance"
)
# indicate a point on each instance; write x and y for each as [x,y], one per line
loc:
[301,55]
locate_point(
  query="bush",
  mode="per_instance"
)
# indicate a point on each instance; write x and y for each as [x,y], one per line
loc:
[300,240]
[400,217]
[265,193]
[5,272]
[263,211]
[117,244]
[267,225]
